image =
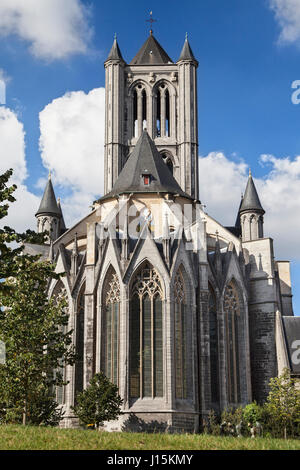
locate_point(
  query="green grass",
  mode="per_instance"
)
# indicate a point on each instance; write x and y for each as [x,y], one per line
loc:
[35,438]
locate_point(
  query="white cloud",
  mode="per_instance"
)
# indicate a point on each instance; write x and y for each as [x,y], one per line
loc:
[55,29]
[287,13]
[12,149]
[12,155]
[221,184]
[72,146]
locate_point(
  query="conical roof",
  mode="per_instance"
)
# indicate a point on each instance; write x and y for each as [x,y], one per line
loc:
[187,53]
[62,220]
[251,200]
[48,204]
[115,53]
[151,53]
[145,160]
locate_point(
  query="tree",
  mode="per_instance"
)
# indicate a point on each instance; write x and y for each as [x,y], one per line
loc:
[283,403]
[8,236]
[99,402]
[34,330]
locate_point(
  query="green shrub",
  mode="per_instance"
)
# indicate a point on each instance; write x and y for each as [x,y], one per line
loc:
[99,402]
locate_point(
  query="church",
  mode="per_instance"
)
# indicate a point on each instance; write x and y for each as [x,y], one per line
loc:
[183,314]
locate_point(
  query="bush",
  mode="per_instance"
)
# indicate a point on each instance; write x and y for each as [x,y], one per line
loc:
[99,402]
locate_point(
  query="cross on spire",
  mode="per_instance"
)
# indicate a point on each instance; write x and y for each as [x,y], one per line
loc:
[151,21]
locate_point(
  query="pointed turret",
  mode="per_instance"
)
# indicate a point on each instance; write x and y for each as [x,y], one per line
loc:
[251,200]
[251,213]
[187,53]
[151,53]
[115,53]
[49,214]
[48,204]
[62,220]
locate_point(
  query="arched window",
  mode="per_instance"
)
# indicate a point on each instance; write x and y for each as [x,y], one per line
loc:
[110,327]
[180,337]
[146,335]
[135,114]
[168,123]
[158,114]
[163,114]
[213,343]
[168,161]
[139,110]
[79,342]
[232,315]
[60,293]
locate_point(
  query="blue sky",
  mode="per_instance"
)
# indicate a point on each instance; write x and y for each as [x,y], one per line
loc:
[248,53]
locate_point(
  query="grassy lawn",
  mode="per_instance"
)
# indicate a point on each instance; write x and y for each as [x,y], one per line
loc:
[34,438]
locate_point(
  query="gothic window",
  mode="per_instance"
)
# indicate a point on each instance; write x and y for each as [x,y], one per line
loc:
[61,371]
[180,337]
[232,315]
[146,335]
[168,161]
[163,115]
[110,327]
[158,114]
[79,342]
[168,124]
[213,337]
[135,114]
[139,110]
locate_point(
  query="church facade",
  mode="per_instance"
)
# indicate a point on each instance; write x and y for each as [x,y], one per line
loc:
[183,314]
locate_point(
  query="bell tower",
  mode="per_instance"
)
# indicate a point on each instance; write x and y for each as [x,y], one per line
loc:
[155,94]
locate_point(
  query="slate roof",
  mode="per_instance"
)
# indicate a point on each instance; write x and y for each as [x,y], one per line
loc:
[151,53]
[187,53]
[115,53]
[62,220]
[145,160]
[48,204]
[251,200]
[291,327]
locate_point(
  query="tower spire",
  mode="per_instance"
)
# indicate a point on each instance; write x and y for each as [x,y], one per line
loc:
[151,21]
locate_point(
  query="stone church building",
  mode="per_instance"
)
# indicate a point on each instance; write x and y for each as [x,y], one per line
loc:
[183,314]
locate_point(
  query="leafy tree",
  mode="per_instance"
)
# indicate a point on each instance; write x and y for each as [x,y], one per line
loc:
[99,402]
[11,242]
[283,403]
[252,413]
[33,328]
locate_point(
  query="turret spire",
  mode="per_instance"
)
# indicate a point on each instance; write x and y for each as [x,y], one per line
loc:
[251,213]
[187,53]
[115,53]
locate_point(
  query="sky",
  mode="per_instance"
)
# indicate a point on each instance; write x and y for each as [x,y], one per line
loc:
[52,101]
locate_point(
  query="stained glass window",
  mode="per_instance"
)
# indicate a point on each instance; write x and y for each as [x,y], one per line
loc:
[146,335]
[110,327]
[180,337]
[232,315]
